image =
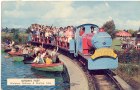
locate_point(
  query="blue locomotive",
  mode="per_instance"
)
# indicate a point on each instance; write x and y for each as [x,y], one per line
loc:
[91,45]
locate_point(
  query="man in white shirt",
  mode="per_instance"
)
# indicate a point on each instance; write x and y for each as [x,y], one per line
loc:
[54,54]
[36,49]
[12,43]
[38,59]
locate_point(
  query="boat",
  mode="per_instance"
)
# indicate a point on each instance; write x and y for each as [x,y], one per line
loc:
[28,60]
[2,51]
[7,50]
[49,67]
[18,58]
[15,53]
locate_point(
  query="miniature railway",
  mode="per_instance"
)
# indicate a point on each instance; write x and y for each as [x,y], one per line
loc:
[99,79]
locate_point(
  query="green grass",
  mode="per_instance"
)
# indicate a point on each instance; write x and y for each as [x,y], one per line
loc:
[116,44]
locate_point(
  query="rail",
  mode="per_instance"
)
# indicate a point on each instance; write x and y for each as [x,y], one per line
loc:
[104,80]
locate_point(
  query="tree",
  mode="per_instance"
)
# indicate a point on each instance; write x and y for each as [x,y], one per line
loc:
[139,29]
[13,30]
[28,30]
[134,34]
[6,30]
[131,31]
[109,27]
[16,35]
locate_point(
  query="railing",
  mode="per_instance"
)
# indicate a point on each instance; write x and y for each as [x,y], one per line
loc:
[60,41]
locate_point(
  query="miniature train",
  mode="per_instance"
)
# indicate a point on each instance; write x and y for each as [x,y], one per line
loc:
[90,44]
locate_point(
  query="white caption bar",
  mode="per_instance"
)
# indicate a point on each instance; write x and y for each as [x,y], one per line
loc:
[34,82]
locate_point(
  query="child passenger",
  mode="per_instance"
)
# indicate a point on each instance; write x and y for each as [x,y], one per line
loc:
[38,59]
[48,60]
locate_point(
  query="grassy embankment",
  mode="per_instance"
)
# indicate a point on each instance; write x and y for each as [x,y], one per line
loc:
[129,71]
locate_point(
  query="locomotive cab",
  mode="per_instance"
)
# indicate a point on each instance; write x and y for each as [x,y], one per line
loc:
[82,33]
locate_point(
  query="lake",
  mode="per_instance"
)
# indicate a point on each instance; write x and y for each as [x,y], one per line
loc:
[11,69]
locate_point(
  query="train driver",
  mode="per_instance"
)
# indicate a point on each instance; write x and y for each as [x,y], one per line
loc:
[92,29]
[82,31]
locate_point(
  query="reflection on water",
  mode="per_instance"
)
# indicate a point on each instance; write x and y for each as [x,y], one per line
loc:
[12,69]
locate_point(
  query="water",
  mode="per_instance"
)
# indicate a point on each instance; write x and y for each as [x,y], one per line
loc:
[12,69]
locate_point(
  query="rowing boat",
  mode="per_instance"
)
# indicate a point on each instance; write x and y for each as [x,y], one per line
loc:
[7,50]
[18,58]
[15,53]
[28,60]
[49,67]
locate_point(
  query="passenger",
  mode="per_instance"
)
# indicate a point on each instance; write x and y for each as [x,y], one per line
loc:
[55,31]
[71,34]
[82,31]
[36,50]
[17,48]
[38,35]
[12,43]
[34,33]
[25,52]
[50,34]
[66,41]
[48,60]
[61,33]
[29,37]
[38,59]
[41,49]
[7,42]
[54,54]
[44,54]
[32,29]
[13,50]
[46,35]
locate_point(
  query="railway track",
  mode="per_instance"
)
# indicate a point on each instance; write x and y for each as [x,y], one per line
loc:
[104,80]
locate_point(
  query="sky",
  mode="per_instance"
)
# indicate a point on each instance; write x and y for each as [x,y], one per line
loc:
[19,14]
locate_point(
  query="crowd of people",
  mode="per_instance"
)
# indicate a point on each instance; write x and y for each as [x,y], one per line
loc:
[50,34]
[47,58]
[38,53]
[42,55]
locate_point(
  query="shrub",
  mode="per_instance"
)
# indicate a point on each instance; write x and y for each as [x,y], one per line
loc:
[22,38]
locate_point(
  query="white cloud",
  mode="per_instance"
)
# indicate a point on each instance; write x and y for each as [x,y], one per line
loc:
[133,22]
[110,18]
[59,10]
[64,13]
[106,4]
[128,24]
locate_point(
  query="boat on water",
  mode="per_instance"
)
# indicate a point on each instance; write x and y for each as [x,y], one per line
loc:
[49,67]
[18,58]
[28,60]
[15,53]
[7,49]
